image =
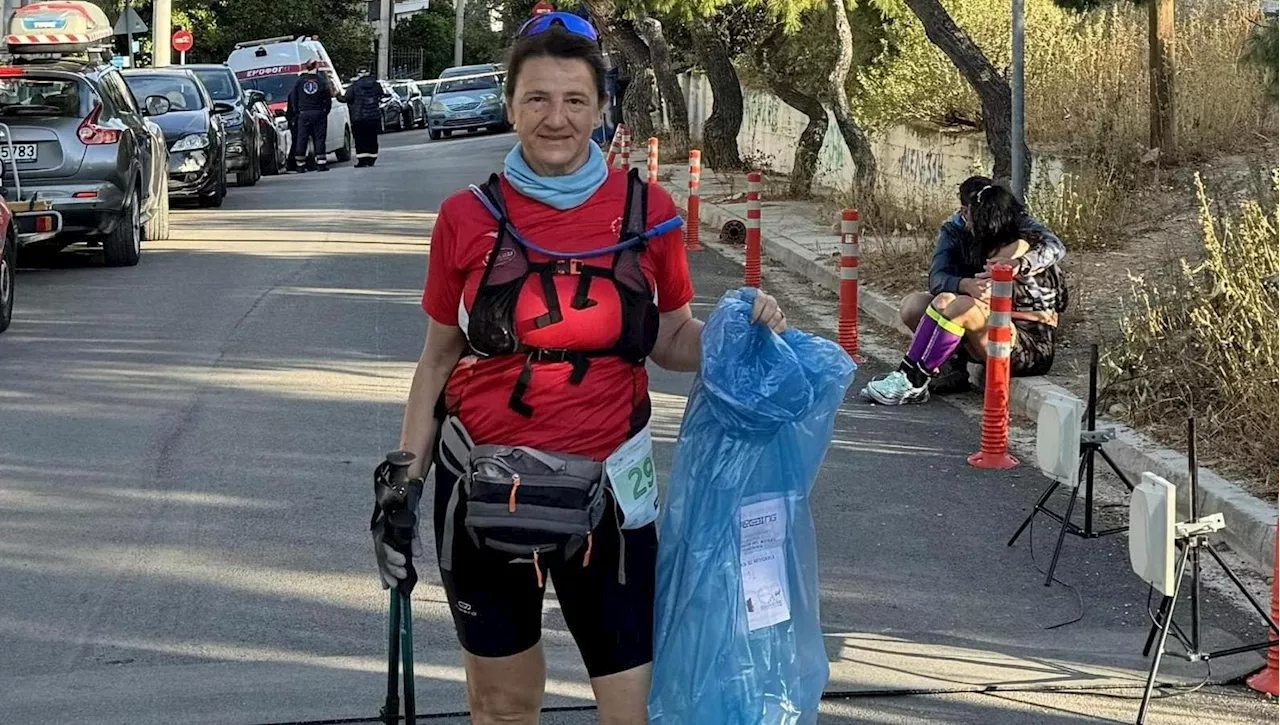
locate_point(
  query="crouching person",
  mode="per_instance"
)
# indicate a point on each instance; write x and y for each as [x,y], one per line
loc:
[950,322]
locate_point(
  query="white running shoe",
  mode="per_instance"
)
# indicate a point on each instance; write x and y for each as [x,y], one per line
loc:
[895,389]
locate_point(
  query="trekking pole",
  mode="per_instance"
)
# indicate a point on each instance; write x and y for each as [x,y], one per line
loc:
[397,497]
[391,709]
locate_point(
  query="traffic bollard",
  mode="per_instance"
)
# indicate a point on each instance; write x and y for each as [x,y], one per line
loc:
[691,242]
[1268,678]
[848,334]
[626,149]
[753,229]
[653,160]
[615,145]
[994,452]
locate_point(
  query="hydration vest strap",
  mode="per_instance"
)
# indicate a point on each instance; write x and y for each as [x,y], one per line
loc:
[553,314]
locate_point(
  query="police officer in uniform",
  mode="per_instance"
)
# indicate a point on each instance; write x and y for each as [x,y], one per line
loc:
[364,98]
[311,98]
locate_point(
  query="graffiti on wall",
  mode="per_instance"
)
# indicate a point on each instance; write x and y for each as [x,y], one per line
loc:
[922,166]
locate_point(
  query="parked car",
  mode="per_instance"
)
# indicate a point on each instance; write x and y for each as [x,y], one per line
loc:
[415,111]
[8,266]
[393,110]
[244,138]
[428,89]
[193,129]
[276,139]
[467,102]
[82,143]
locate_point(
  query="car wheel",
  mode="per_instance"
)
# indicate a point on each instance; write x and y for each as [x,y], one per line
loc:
[123,247]
[8,273]
[272,166]
[345,153]
[158,226]
[251,174]
[214,199]
[435,135]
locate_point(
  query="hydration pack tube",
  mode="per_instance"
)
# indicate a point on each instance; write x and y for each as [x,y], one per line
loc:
[669,225]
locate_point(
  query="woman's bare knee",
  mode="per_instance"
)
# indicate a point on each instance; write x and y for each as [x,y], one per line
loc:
[506,689]
[967,312]
[912,308]
[942,300]
[622,697]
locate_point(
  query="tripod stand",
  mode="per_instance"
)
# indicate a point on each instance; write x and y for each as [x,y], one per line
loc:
[1193,537]
[1091,440]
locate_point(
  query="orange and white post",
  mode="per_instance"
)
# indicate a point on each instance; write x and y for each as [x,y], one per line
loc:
[848,331]
[626,149]
[653,160]
[1268,678]
[615,146]
[994,452]
[691,242]
[753,229]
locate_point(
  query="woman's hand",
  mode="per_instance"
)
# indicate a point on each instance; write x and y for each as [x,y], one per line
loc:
[767,312]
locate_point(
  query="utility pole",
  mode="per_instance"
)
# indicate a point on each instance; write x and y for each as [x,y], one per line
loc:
[384,39]
[1018,119]
[1160,44]
[459,7]
[161,32]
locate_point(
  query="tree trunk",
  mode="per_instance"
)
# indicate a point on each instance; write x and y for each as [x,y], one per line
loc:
[809,146]
[720,132]
[1161,47]
[992,89]
[668,84]
[864,162]
[620,33]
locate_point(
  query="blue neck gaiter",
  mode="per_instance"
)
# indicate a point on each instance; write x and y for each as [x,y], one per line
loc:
[558,192]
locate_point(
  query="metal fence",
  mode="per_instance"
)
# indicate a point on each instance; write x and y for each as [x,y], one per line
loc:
[407,63]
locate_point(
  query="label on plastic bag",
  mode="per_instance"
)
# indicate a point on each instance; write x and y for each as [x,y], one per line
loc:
[634,481]
[763,558]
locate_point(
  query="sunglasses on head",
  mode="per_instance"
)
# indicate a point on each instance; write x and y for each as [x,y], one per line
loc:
[570,22]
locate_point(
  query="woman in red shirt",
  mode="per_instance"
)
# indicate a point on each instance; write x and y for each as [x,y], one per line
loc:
[546,291]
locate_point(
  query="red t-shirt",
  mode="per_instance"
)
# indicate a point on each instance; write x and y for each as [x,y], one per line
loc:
[593,417]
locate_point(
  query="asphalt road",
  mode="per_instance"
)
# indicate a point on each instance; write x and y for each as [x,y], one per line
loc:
[185,458]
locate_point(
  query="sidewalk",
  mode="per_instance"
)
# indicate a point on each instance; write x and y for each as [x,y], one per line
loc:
[793,236]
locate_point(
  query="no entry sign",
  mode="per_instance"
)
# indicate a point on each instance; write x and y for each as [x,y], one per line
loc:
[183,40]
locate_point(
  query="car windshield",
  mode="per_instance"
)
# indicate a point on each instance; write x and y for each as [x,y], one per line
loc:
[483,83]
[401,89]
[275,88]
[220,82]
[36,97]
[183,94]
[427,89]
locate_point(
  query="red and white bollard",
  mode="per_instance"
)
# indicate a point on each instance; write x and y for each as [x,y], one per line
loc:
[691,242]
[626,149]
[615,146]
[653,160]
[848,335]
[753,229]
[994,452]
[1268,678]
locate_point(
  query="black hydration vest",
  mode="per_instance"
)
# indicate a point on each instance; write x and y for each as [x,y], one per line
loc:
[491,327]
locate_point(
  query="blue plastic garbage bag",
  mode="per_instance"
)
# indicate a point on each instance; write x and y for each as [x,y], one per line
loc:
[737,639]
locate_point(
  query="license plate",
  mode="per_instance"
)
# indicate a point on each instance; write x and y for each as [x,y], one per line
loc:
[22,152]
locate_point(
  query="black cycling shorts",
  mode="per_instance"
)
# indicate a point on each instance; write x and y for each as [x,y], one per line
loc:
[497,605]
[1032,352]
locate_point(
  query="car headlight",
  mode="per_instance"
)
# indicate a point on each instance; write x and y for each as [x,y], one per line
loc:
[438,107]
[193,142]
[282,123]
[489,100]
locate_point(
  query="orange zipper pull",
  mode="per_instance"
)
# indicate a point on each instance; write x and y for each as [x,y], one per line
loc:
[586,558]
[537,569]
[511,501]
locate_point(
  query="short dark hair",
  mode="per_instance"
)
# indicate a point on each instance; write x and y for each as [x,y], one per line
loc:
[555,42]
[994,214]
[970,187]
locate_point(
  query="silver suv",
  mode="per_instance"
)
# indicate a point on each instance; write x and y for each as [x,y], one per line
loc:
[82,143]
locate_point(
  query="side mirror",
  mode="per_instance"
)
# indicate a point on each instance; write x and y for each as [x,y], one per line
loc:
[255,96]
[221,107]
[156,105]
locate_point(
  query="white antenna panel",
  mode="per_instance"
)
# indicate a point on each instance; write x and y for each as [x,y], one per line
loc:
[1152,509]
[1058,438]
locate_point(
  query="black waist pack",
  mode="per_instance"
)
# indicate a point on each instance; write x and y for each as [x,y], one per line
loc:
[530,505]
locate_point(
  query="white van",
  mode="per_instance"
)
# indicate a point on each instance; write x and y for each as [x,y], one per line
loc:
[273,66]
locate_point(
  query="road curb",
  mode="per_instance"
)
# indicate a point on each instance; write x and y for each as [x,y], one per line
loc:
[1251,522]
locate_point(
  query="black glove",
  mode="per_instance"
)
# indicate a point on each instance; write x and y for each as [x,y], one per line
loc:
[394,525]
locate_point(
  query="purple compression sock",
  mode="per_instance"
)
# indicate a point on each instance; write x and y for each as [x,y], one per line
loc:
[935,340]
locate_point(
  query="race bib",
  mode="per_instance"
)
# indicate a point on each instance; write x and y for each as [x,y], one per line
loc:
[634,481]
